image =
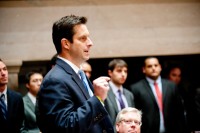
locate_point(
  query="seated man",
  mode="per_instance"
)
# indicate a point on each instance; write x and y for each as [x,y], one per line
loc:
[128,120]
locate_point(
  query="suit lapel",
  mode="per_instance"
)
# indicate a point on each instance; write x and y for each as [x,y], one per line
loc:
[10,102]
[78,81]
[74,76]
[112,99]
[149,91]
[127,97]
[30,103]
[164,90]
[30,107]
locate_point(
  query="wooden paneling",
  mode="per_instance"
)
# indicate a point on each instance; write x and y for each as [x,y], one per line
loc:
[118,29]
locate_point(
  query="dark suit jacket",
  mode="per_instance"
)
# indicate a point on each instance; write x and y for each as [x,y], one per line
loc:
[15,116]
[172,108]
[29,124]
[111,104]
[64,106]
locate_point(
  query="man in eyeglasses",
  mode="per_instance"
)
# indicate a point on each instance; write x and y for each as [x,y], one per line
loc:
[129,120]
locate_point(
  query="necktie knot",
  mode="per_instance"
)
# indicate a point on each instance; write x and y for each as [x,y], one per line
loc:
[3,97]
[120,93]
[81,73]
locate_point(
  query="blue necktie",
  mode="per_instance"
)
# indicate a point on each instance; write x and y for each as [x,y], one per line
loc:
[121,100]
[3,106]
[85,82]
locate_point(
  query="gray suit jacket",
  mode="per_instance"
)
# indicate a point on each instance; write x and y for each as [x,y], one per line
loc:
[111,104]
[29,123]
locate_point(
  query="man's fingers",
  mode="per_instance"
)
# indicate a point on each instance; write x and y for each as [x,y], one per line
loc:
[102,79]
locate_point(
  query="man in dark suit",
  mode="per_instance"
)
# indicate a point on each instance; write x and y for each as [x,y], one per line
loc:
[159,101]
[11,105]
[67,101]
[118,71]
[33,82]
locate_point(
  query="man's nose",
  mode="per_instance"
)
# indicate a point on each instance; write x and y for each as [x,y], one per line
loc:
[90,43]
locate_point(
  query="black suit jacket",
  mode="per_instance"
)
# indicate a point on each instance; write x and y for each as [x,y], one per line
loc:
[172,107]
[15,116]
[64,105]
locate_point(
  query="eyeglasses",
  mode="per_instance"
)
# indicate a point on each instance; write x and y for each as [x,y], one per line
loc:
[128,122]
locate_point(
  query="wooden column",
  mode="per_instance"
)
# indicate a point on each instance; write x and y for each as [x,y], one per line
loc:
[13,71]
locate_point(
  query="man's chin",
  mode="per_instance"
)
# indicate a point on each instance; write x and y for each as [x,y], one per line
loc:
[3,83]
[154,77]
[86,58]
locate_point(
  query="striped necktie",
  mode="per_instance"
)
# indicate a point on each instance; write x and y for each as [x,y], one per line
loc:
[85,82]
[3,106]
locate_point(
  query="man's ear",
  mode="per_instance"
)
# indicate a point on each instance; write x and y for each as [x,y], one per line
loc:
[110,73]
[117,127]
[160,67]
[65,43]
[143,70]
[27,85]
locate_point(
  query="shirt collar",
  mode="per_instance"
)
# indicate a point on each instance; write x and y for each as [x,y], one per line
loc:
[33,98]
[5,94]
[74,67]
[115,88]
[152,81]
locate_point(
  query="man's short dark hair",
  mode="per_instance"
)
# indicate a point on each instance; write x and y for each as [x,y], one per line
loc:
[64,28]
[53,60]
[29,74]
[116,63]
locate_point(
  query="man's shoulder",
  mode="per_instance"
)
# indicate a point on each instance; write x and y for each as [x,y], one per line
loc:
[138,83]
[126,91]
[26,97]
[59,71]
[14,96]
[163,80]
[168,82]
[55,74]
[110,93]
[14,93]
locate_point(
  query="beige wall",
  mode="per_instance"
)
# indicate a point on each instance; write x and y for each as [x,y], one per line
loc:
[118,28]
